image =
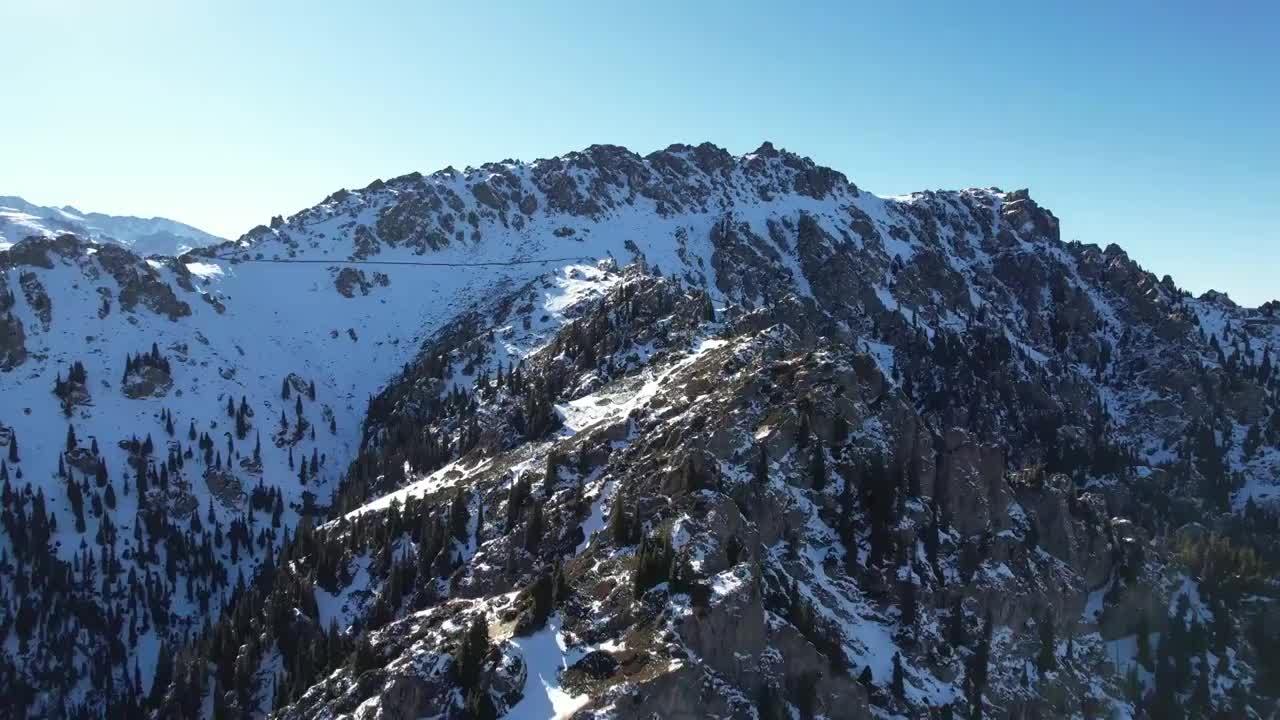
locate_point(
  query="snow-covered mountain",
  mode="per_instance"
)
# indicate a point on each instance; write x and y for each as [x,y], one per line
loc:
[20,219]
[682,434]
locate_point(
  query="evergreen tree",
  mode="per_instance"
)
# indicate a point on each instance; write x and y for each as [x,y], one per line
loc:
[818,466]
[163,674]
[363,657]
[1144,641]
[458,517]
[653,563]
[533,529]
[908,603]
[619,528]
[478,705]
[1047,659]
[552,475]
[471,652]
[899,685]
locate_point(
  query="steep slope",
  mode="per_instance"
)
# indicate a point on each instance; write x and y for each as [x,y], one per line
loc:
[20,219]
[699,338]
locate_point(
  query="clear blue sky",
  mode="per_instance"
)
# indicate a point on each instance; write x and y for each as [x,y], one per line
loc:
[1149,125]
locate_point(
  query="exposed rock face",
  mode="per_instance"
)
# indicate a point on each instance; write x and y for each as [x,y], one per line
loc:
[13,350]
[225,486]
[147,382]
[350,280]
[975,496]
[140,284]
[37,299]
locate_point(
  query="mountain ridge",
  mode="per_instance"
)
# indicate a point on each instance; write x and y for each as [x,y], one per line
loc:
[966,339]
[147,236]
[613,164]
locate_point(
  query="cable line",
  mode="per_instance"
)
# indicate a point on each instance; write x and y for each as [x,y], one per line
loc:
[491,263]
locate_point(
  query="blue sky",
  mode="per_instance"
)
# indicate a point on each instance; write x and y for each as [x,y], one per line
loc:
[1153,126]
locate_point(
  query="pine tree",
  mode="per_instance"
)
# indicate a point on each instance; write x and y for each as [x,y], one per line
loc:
[13,446]
[653,563]
[515,499]
[163,674]
[1200,695]
[284,389]
[899,685]
[363,657]
[818,466]
[1047,659]
[478,705]
[769,703]
[471,652]
[1144,641]
[619,528]
[908,603]
[458,517]
[533,529]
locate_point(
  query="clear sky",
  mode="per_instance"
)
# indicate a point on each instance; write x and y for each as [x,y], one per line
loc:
[1153,126]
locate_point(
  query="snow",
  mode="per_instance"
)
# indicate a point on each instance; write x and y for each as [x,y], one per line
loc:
[621,398]
[546,655]
[20,219]
[1197,610]
[204,270]
[340,607]
[447,476]
[730,581]
[1094,606]
[595,522]
[1123,653]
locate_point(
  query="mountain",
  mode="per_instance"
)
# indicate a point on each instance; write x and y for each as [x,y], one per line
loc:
[20,219]
[688,434]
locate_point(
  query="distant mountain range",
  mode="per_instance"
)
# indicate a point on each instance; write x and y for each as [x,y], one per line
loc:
[20,219]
